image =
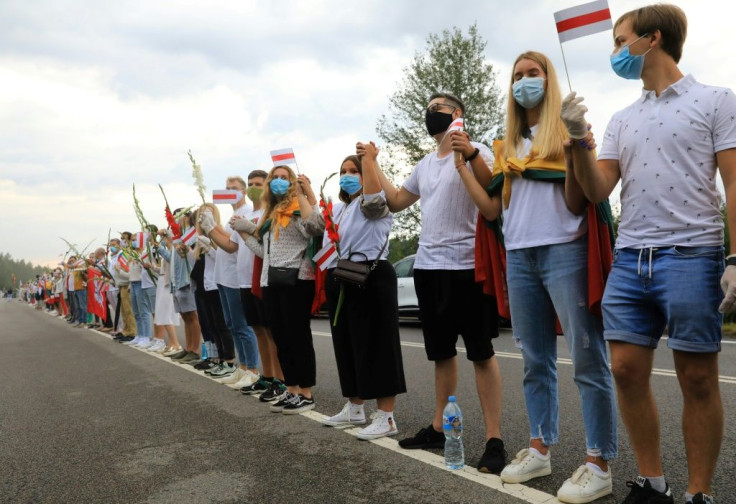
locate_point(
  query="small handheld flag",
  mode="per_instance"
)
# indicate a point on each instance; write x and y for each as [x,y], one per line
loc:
[325,255]
[139,240]
[223,196]
[457,125]
[582,20]
[190,236]
[284,157]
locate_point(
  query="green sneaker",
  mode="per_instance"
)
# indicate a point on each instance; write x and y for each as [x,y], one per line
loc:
[260,386]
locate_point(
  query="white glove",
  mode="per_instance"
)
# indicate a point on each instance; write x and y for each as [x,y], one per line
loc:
[243,225]
[573,115]
[204,243]
[728,285]
[207,222]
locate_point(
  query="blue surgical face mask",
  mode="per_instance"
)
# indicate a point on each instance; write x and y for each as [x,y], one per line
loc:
[114,249]
[279,187]
[628,65]
[350,184]
[529,91]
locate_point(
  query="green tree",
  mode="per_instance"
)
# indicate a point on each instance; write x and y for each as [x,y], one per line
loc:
[452,62]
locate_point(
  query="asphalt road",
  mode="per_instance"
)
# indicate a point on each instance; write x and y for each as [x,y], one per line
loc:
[83,419]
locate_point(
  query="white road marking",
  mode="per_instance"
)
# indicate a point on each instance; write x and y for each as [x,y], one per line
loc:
[512,355]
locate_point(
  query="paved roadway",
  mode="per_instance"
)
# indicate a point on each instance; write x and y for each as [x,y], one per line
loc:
[83,419]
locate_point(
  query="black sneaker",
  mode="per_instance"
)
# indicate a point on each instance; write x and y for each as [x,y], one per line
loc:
[425,438]
[494,458]
[299,404]
[282,401]
[643,493]
[261,385]
[204,365]
[701,498]
[274,391]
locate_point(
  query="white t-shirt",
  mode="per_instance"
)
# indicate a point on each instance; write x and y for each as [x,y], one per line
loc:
[226,264]
[245,255]
[537,214]
[666,149]
[447,240]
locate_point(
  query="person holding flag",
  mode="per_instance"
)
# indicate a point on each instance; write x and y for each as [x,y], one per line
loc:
[229,277]
[282,238]
[665,149]
[547,225]
[451,302]
[365,320]
[121,275]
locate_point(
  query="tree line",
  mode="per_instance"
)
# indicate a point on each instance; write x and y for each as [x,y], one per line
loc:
[22,269]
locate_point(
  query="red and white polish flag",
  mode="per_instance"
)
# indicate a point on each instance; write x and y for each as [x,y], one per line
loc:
[283,156]
[325,256]
[457,125]
[582,20]
[190,237]
[223,196]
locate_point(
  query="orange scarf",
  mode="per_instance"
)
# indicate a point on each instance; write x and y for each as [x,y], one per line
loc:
[282,216]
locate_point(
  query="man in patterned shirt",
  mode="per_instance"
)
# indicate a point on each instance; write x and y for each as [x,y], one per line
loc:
[665,149]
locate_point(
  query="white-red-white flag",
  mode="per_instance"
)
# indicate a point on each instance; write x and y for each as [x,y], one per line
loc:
[325,255]
[223,196]
[582,20]
[190,236]
[457,125]
[139,240]
[283,156]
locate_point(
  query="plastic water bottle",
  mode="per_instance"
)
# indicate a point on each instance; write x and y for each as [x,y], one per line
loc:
[452,425]
[204,350]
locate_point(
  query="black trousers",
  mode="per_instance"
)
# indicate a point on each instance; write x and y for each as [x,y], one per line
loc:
[288,313]
[366,337]
[222,335]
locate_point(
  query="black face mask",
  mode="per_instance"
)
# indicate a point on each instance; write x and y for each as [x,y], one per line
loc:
[437,122]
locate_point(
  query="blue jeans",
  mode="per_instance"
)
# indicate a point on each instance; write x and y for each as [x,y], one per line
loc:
[545,282]
[143,321]
[148,304]
[244,337]
[80,297]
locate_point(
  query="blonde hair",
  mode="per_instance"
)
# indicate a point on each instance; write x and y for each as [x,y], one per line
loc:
[269,200]
[551,131]
[239,180]
[198,226]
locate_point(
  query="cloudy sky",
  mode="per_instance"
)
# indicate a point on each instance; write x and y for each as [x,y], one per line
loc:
[96,96]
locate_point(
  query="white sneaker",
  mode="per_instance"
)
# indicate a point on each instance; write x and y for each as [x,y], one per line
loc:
[383,425]
[527,465]
[134,341]
[248,379]
[171,351]
[586,485]
[156,345]
[145,343]
[232,378]
[351,414]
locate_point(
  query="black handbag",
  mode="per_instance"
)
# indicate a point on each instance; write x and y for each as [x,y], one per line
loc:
[356,273]
[280,276]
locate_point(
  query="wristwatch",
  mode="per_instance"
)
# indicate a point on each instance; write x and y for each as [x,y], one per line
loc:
[473,155]
[731,260]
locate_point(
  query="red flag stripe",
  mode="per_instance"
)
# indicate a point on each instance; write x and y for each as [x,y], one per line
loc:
[224,197]
[585,19]
[282,157]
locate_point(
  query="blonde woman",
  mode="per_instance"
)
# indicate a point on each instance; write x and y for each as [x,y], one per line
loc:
[545,230]
[290,220]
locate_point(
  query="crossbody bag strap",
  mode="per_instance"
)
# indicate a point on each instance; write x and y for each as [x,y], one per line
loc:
[375,263]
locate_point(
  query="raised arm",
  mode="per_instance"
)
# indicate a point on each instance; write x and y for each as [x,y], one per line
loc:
[397,198]
[597,179]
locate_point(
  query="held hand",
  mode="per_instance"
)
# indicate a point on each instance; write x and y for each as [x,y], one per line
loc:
[367,149]
[573,115]
[305,187]
[205,244]
[728,285]
[244,225]
[207,222]
[234,218]
[460,142]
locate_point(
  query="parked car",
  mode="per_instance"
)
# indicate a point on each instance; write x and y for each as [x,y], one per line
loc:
[408,304]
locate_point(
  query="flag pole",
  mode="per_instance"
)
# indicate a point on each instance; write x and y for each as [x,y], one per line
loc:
[564,62]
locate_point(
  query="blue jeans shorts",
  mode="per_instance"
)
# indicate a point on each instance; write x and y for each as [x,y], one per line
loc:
[677,288]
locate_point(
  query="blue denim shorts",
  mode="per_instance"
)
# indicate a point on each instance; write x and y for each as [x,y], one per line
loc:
[676,288]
